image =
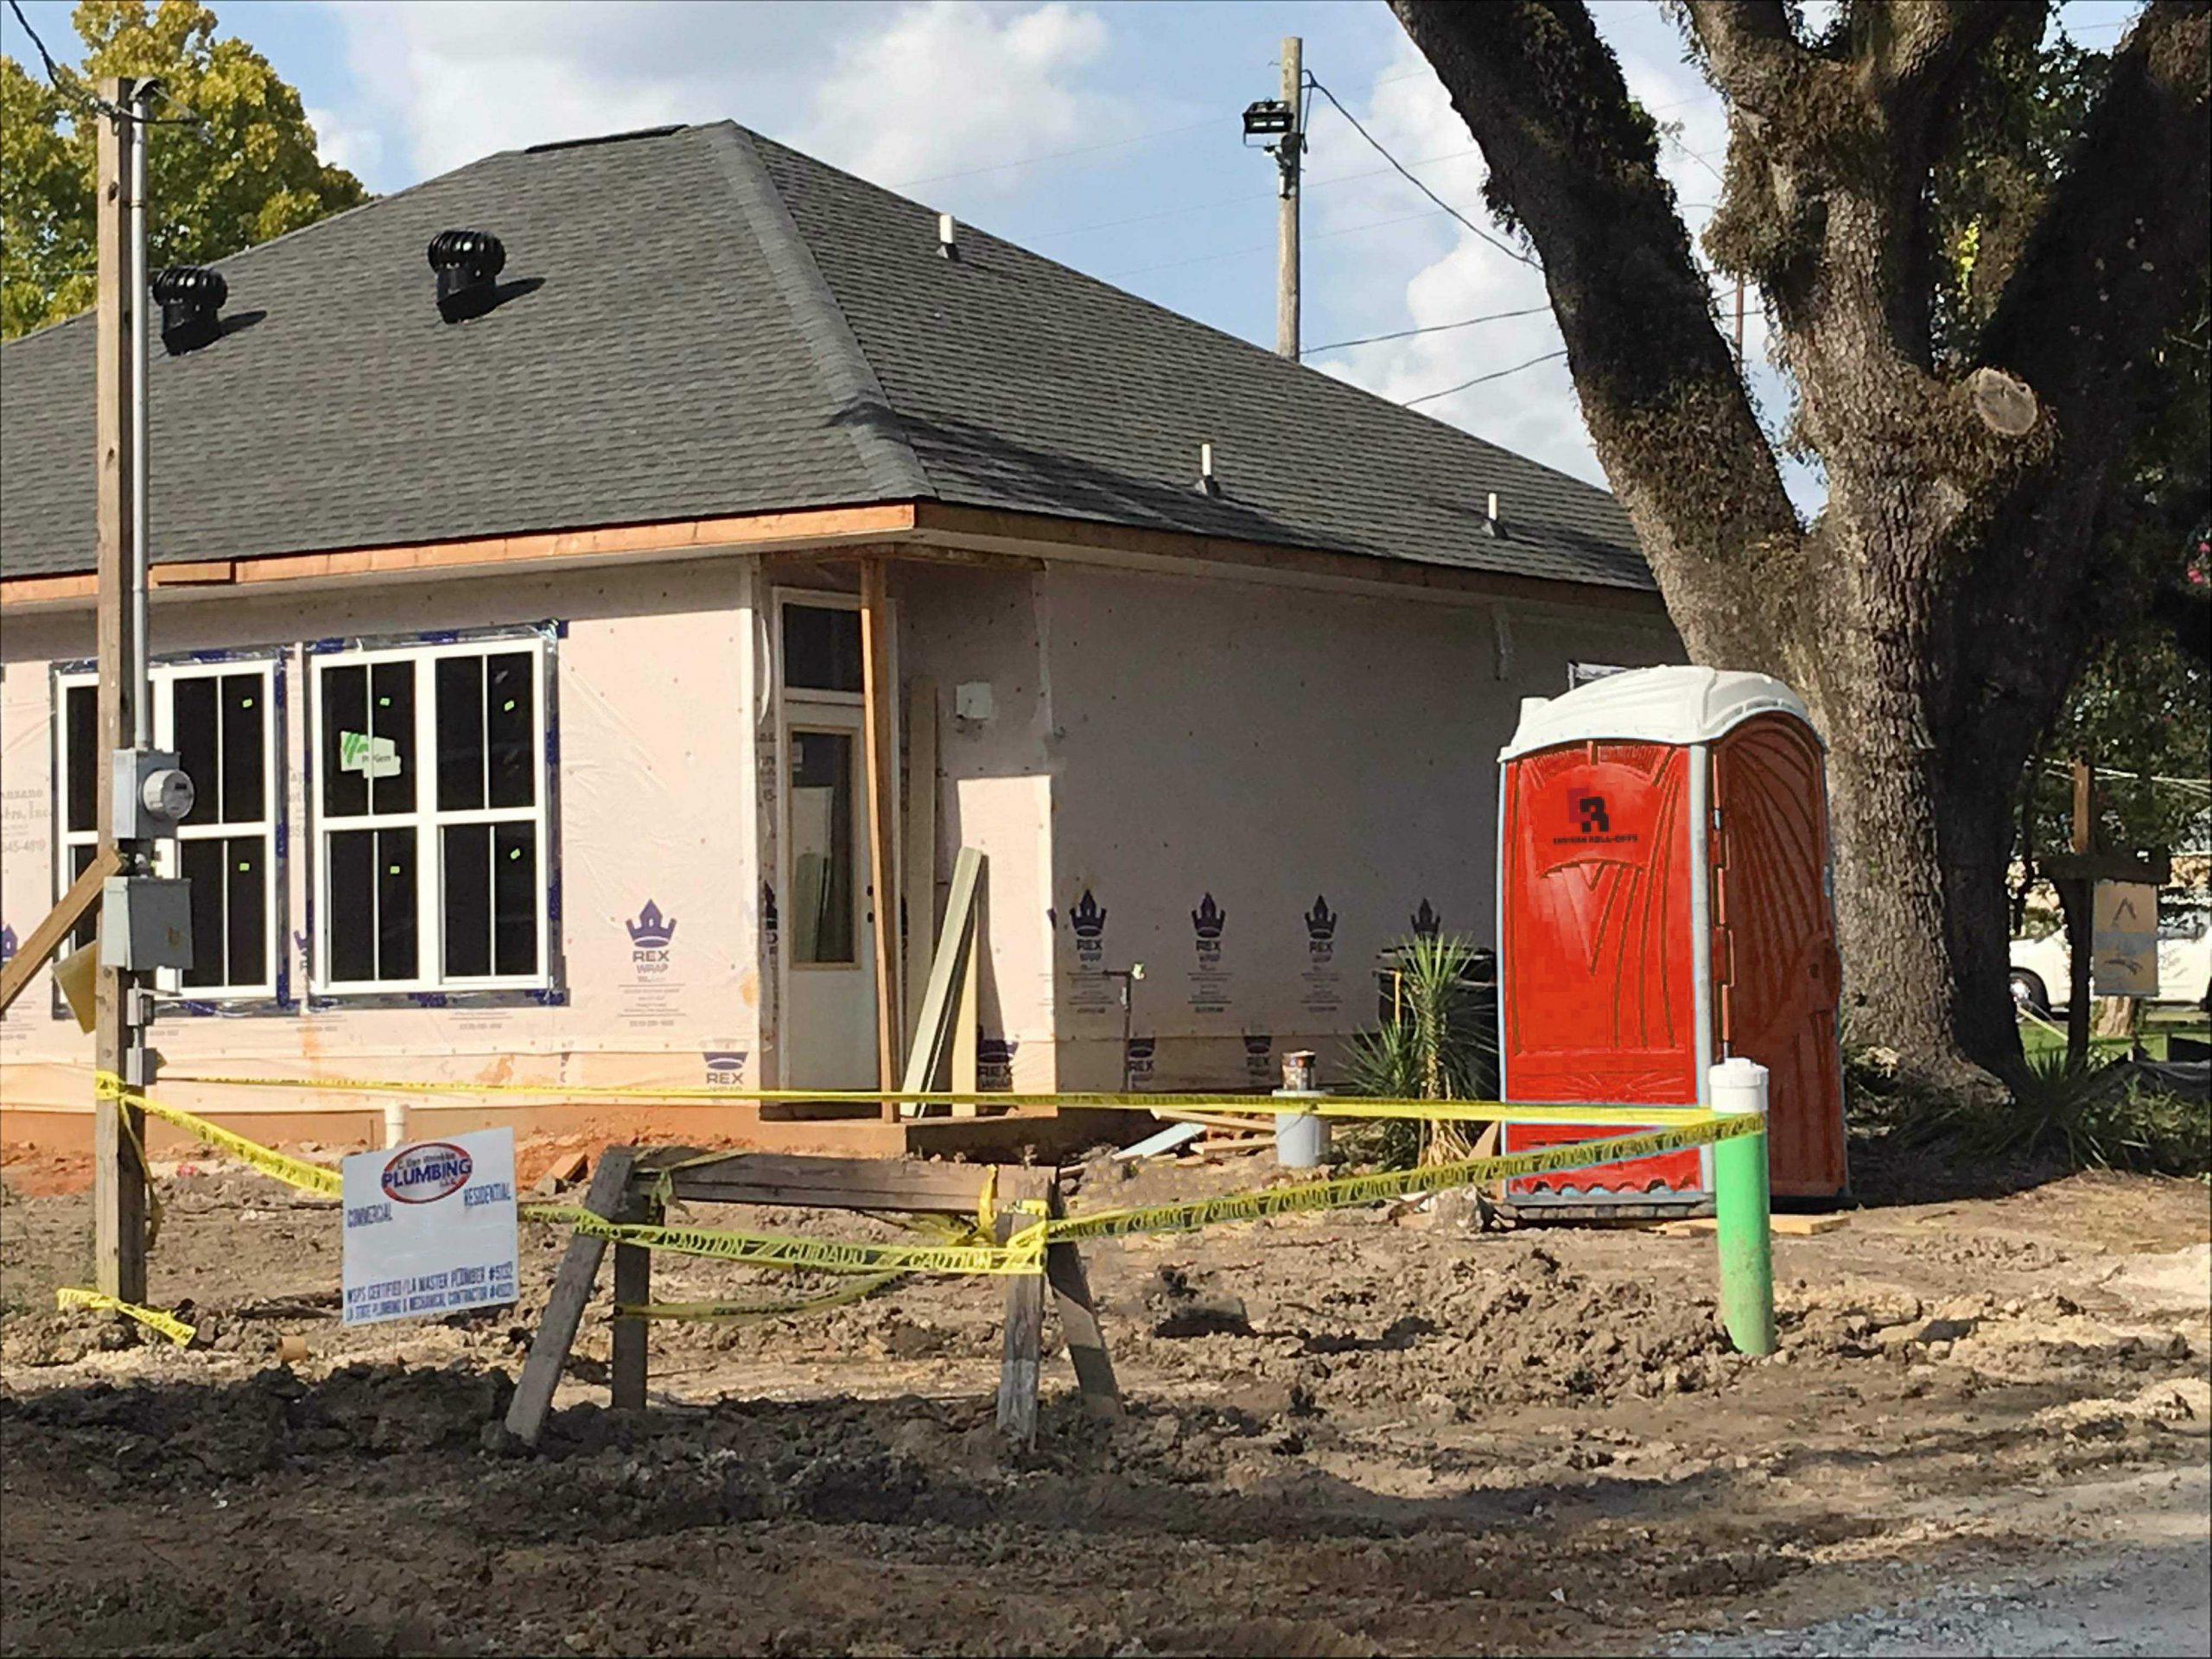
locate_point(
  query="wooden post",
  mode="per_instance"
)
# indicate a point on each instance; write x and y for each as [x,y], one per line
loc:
[918,870]
[1025,1317]
[1079,1326]
[1291,160]
[118,1178]
[881,746]
[564,1308]
[2079,904]
[633,1287]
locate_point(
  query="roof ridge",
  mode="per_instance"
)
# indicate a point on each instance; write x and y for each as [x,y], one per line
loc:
[1188,320]
[858,402]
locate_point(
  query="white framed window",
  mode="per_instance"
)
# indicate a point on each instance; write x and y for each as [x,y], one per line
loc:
[221,718]
[431,817]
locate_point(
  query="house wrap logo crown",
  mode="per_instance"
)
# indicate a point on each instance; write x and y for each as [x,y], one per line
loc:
[1427,923]
[1088,918]
[1320,921]
[1209,919]
[651,931]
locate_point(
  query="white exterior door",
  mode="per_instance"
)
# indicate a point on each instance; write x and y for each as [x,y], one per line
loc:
[828,914]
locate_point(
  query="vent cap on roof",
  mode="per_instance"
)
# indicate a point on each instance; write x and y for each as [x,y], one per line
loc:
[189,297]
[468,264]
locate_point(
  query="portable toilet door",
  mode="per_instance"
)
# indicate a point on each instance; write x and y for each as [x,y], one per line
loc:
[1664,902]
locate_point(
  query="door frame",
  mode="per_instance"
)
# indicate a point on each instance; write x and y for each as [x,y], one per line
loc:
[786,699]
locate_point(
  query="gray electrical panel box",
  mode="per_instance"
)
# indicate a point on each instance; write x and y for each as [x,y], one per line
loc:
[145,923]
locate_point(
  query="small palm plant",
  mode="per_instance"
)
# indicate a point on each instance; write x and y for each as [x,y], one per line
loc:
[1438,1046]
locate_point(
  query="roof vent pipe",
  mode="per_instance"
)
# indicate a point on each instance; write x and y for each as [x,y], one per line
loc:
[1207,483]
[189,297]
[1489,517]
[468,264]
[947,239]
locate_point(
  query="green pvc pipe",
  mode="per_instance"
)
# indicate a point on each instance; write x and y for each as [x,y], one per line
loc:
[1741,1209]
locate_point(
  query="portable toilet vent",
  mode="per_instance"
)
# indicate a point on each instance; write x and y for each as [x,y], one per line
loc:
[1665,902]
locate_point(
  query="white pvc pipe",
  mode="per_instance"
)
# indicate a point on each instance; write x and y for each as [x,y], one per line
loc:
[1738,1086]
[395,1122]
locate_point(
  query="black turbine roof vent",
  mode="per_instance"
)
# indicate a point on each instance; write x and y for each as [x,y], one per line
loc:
[189,297]
[468,264]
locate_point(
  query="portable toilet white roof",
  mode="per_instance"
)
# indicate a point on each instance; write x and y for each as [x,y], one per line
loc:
[1677,704]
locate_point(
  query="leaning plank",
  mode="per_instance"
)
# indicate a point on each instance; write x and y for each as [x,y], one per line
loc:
[954,941]
[564,1308]
[1086,1338]
[83,893]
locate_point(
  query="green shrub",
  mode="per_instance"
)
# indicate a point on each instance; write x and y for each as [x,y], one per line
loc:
[1438,1048]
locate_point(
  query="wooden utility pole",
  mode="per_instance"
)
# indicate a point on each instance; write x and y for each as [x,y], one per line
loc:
[2079,907]
[1739,322]
[1290,157]
[119,1132]
[880,747]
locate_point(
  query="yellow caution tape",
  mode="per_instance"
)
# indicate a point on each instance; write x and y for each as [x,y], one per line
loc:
[742,1312]
[1393,1183]
[293,1172]
[1023,1254]
[1470,1111]
[168,1324]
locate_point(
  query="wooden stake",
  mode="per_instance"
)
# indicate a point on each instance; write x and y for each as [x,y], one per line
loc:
[1024,1319]
[881,745]
[564,1308]
[118,1178]
[1079,1326]
[83,896]
[633,1287]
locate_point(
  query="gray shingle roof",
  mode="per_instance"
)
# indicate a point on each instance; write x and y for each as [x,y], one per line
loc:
[704,322]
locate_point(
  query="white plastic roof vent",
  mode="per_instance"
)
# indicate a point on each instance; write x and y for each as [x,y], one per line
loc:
[1680,705]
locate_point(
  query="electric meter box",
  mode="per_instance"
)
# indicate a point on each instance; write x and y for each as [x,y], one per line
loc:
[1665,901]
[145,923]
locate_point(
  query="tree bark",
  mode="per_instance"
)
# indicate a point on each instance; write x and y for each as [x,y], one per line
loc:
[1938,608]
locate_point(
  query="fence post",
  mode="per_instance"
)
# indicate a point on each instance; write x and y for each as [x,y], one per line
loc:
[1740,1208]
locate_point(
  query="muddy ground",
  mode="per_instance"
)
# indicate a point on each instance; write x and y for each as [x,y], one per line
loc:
[1415,1439]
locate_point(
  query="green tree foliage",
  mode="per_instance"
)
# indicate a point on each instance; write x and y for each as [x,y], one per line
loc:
[253,174]
[2143,700]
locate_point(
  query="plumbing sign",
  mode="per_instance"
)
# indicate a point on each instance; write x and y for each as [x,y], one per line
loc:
[429,1228]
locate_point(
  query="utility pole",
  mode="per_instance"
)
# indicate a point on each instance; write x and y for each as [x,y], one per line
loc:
[1290,156]
[1739,324]
[119,1131]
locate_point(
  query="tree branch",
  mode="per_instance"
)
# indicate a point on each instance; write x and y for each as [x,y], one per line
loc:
[2079,324]
[1752,53]
[1573,161]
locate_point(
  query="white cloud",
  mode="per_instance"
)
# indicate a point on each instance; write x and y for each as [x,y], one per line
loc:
[951,86]
[359,149]
[891,92]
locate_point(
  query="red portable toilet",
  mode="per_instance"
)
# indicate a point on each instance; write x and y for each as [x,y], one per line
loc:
[1665,902]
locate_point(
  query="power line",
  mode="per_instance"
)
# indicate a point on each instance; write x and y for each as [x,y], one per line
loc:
[59,79]
[1235,201]
[1262,247]
[1432,328]
[1049,155]
[1511,252]
[1495,374]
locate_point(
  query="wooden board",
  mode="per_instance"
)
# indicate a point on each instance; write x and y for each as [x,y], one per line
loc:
[82,895]
[879,747]
[633,1287]
[1780,1226]
[918,868]
[838,1183]
[564,1307]
[956,940]
[1079,1326]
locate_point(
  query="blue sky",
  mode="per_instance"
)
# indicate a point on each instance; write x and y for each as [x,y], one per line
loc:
[1103,134]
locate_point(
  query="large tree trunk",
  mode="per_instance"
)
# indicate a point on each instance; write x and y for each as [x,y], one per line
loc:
[1937,611]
